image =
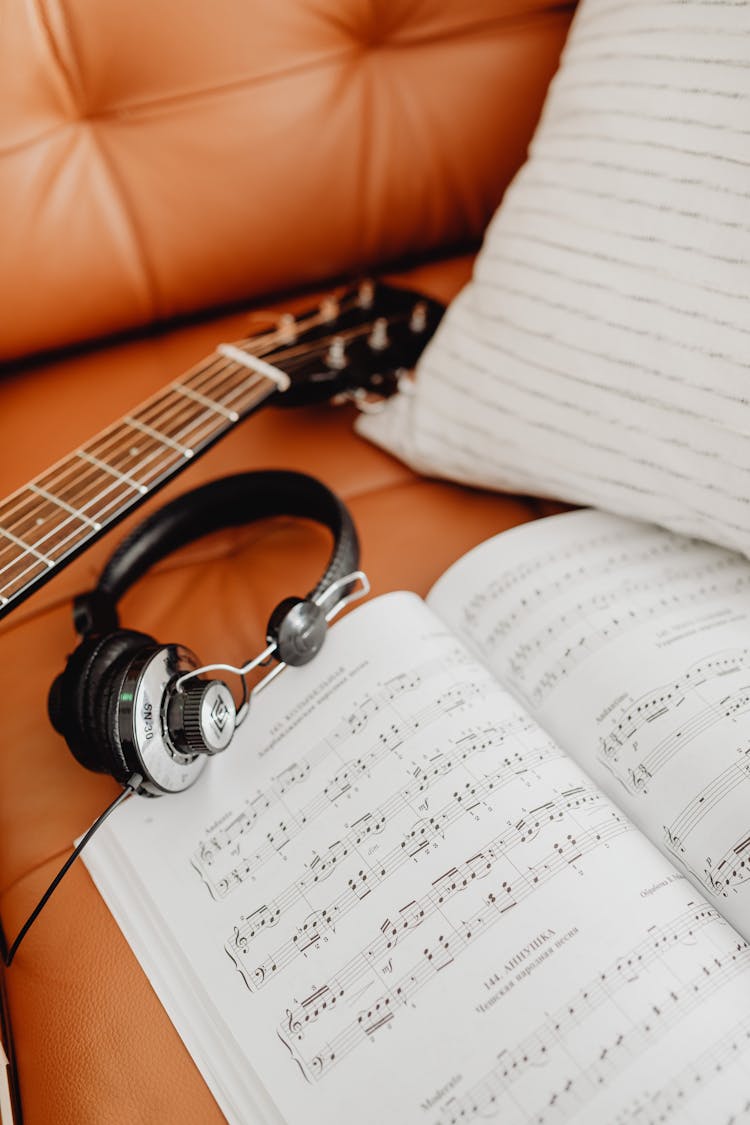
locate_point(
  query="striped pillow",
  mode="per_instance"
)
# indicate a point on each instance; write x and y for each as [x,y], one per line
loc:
[601,353]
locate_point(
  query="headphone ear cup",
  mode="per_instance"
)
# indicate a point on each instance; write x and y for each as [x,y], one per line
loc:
[107,705]
[80,702]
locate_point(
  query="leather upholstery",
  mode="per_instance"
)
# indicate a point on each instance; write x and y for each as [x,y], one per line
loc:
[157,158]
[151,153]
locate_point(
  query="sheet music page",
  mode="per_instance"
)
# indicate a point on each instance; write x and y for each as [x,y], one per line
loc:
[395,899]
[631,645]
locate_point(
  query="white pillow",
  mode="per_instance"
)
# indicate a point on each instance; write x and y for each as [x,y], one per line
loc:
[601,353]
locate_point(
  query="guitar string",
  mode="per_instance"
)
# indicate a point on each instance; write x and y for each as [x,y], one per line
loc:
[115,443]
[107,443]
[225,374]
[253,344]
[120,504]
[112,444]
[103,441]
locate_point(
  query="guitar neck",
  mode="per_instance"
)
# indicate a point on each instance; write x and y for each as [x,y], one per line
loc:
[45,524]
[353,345]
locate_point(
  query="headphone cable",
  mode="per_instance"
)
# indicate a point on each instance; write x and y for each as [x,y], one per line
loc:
[131,786]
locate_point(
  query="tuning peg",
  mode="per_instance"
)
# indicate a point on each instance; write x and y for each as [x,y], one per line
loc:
[336,357]
[329,309]
[366,294]
[287,329]
[418,320]
[379,340]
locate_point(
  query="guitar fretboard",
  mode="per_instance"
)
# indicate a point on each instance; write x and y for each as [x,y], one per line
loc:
[48,521]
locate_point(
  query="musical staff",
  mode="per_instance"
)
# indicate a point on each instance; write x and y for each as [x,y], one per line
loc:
[731,870]
[507,880]
[527,620]
[549,1074]
[705,801]
[219,859]
[631,750]
[670,1101]
[364,877]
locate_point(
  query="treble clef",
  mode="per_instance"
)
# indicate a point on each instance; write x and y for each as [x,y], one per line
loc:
[293,1024]
[239,940]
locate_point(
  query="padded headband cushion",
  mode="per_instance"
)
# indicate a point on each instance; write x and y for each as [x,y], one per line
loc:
[228,502]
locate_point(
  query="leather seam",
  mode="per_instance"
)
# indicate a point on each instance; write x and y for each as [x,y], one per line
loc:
[131,111]
[138,241]
[29,142]
[72,80]
[464,31]
[143,109]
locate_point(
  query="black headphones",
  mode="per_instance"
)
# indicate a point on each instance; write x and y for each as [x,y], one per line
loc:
[131,707]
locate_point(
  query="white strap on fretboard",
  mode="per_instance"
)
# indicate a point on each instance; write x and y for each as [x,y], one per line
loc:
[253,363]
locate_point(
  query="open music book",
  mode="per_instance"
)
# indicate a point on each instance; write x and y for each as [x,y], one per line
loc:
[486,858]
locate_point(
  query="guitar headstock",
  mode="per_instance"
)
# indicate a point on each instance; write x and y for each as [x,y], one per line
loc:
[356,345]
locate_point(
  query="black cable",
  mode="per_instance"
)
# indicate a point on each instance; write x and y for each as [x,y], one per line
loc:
[131,785]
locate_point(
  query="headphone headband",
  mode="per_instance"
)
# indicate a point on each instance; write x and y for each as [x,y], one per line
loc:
[227,502]
[130,707]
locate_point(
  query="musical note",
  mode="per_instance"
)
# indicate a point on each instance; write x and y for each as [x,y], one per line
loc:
[643,1015]
[421,833]
[446,947]
[673,1097]
[647,572]
[682,701]
[215,859]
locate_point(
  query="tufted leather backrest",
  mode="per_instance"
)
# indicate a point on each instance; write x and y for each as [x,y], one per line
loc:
[159,156]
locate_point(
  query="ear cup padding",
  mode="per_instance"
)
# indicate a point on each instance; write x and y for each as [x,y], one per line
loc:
[106,717]
[82,698]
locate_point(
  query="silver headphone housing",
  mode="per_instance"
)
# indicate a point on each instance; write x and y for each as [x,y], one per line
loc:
[142,726]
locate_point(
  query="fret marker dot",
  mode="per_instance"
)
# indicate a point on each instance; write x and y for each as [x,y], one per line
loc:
[39,521]
[134,451]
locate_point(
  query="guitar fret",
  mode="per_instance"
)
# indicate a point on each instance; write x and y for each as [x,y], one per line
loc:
[221,383]
[236,395]
[236,390]
[189,423]
[159,436]
[65,506]
[82,488]
[114,472]
[26,547]
[122,450]
[19,579]
[232,415]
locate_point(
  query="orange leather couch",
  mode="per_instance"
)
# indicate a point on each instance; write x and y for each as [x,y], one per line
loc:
[176,163]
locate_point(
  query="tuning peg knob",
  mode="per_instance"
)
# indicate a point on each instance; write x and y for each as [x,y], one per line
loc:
[366,294]
[418,320]
[336,357]
[329,309]
[287,329]
[379,340]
